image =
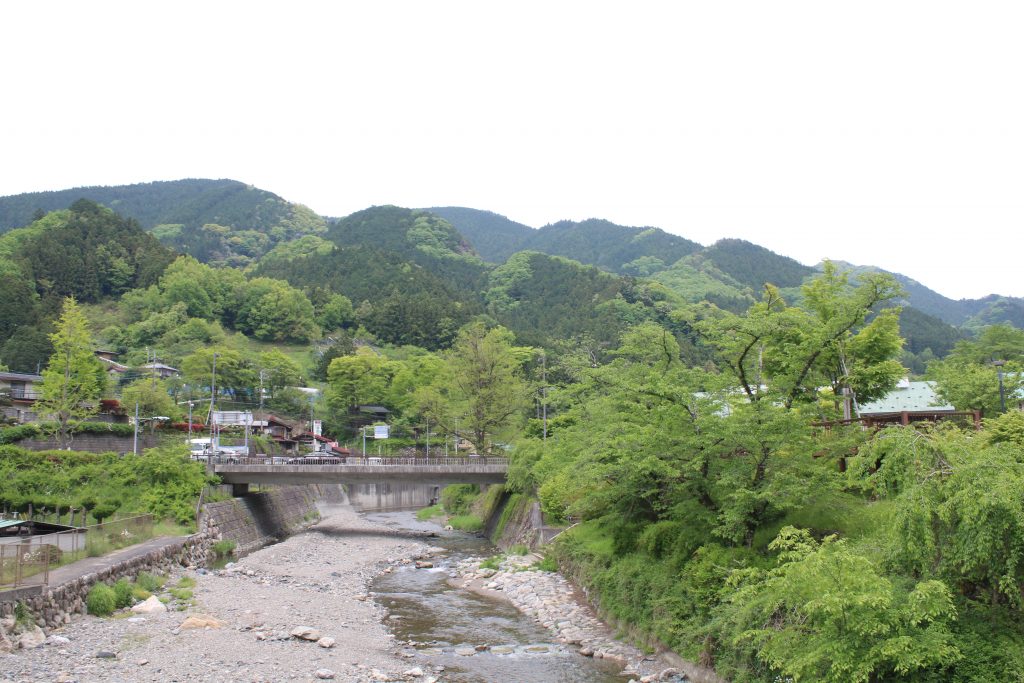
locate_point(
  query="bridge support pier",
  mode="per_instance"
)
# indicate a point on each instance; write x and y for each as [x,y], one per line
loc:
[239,490]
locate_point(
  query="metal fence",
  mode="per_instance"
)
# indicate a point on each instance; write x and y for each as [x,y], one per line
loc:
[28,560]
[459,461]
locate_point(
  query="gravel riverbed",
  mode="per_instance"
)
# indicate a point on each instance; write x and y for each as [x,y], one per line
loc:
[301,610]
[318,579]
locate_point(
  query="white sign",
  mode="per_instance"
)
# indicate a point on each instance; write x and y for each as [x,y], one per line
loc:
[380,431]
[318,427]
[232,418]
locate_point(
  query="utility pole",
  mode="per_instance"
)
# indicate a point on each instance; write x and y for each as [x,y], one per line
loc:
[544,394]
[190,423]
[261,393]
[135,436]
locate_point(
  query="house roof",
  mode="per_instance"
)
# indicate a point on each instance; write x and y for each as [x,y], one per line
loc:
[159,366]
[20,377]
[114,365]
[908,397]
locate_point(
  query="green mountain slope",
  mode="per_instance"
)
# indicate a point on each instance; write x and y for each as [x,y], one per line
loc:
[601,243]
[416,236]
[217,221]
[754,265]
[620,249]
[543,298]
[493,236]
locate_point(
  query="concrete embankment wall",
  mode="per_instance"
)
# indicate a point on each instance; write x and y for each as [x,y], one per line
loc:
[251,522]
[385,496]
[260,519]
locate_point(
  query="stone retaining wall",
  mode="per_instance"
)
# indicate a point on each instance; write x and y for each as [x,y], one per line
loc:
[54,606]
[94,443]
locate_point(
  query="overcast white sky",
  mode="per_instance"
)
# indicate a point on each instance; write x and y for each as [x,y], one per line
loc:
[884,133]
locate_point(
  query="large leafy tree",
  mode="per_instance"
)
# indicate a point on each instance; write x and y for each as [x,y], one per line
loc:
[74,378]
[359,379]
[483,389]
[826,613]
[786,353]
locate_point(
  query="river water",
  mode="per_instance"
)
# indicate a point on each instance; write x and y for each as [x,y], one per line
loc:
[442,620]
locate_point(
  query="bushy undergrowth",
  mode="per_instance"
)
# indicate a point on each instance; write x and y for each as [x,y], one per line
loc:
[162,481]
[101,600]
[456,499]
[470,523]
[430,513]
[223,547]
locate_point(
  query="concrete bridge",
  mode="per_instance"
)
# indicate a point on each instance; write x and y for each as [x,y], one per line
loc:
[241,472]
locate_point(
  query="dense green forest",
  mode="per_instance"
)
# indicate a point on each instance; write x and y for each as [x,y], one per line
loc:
[220,221]
[714,513]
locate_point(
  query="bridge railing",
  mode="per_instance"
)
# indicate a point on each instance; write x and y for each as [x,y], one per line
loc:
[461,461]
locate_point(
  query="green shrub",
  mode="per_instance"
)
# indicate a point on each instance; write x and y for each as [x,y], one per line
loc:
[470,523]
[186,582]
[181,594]
[16,434]
[457,498]
[547,564]
[430,513]
[123,593]
[519,549]
[149,582]
[22,615]
[223,547]
[102,600]
[492,562]
[140,594]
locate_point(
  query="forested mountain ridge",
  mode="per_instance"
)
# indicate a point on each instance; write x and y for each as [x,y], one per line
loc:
[217,221]
[494,236]
[225,222]
[620,249]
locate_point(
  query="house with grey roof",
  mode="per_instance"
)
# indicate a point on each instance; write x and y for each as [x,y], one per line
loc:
[911,402]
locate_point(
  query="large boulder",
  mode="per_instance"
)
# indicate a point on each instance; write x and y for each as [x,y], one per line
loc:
[201,621]
[150,605]
[32,638]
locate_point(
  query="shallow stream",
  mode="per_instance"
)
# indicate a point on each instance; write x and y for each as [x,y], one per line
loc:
[443,621]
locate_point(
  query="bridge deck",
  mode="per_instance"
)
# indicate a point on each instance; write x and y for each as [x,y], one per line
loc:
[435,471]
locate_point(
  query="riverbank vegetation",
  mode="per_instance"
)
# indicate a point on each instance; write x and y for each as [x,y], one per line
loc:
[717,519]
[94,487]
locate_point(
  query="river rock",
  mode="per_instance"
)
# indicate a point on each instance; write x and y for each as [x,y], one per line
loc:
[150,605]
[414,672]
[306,633]
[424,564]
[324,674]
[32,638]
[5,643]
[465,651]
[201,621]
[326,642]
[58,640]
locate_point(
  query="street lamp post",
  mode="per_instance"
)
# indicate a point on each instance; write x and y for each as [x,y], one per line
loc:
[1002,392]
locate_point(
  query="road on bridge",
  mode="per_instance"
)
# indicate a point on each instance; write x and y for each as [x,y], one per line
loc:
[356,470]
